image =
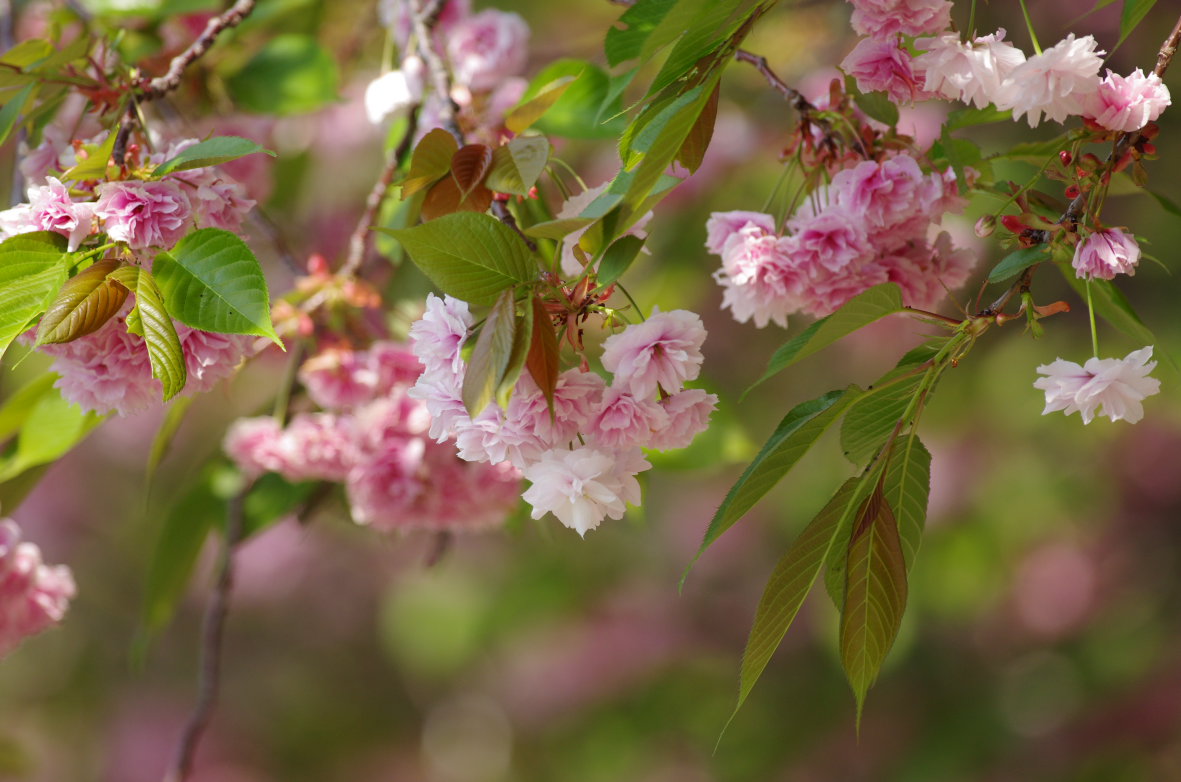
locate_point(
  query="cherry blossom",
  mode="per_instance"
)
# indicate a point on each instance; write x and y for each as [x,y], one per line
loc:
[664,351]
[1058,83]
[33,596]
[584,485]
[1127,103]
[1104,254]
[144,214]
[1113,387]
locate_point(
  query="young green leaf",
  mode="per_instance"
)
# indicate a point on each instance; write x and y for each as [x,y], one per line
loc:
[797,432]
[50,429]
[870,422]
[625,40]
[210,152]
[164,350]
[692,151]
[878,106]
[1111,305]
[430,161]
[19,405]
[490,358]
[578,111]
[182,536]
[522,345]
[33,268]
[10,112]
[875,594]
[94,166]
[544,359]
[1132,15]
[1016,262]
[531,109]
[619,258]
[858,312]
[83,305]
[467,255]
[517,165]
[212,281]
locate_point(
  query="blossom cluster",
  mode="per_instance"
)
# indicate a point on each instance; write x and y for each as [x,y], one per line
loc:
[583,455]
[1057,83]
[486,53]
[372,436]
[869,226]
[1114,387]
[33,596]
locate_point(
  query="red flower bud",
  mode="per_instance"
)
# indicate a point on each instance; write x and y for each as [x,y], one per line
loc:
[1065,157]
[1013,223]
[985,226]
[1072,191]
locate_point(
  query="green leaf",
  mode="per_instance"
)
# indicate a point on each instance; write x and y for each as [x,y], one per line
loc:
[16,409]
[430,161]
[52,427]
[33,268]
[98,157]
[1133,13]
[558,229]
[83,305]
[875,595]
[467,255]
[619,258]
[164,350]
[271,499]
[27,53]
[858,312]
[212,281]
[11,111]
[291,74]
[585,109]
[964,118]
[174,416]
[530,110]
[660,141]
[210,152]
[796,434]
[517,165]
[710,28]
[182,537]
[878,106]
[522,343]
[870,422]
[790,583]
[1016,262]
[625,40]
[490,358]
[1165,203]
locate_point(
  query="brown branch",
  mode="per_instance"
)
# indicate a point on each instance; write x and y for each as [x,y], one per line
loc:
[501,213]
[794,96]
[424,24]
[162,85]
[212,632]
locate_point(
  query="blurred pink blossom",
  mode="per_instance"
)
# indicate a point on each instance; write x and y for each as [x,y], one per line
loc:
[487,48]
[33,596]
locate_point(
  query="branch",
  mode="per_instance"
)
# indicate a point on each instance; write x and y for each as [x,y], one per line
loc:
[212,631]
[501,213]
[794,96]
[424,24]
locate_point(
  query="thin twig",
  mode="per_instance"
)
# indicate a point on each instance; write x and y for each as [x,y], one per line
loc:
[359,241]
[424,24]
[212,632]
[794,96]
[501,213]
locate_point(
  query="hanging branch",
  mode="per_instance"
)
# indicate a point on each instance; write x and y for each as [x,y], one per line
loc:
[424,25]
[160,86]
[794,96]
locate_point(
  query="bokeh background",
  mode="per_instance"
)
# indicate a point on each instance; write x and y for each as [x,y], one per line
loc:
[1042,637]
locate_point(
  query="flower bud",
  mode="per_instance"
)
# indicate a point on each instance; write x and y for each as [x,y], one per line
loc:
[1065,157]
[985,226]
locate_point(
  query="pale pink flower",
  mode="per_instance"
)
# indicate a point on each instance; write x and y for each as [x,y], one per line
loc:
[971,72]
[255,445]
[221,204]
[441,395]
[828,291]
[211,357]
[1118,386]
[106,371]
[144,214]
[438,335]
[19,219]
[577,399]
[317,446]
[398,15]
[487,48]
[884,65]
[583,486]
[393,94]
[887,18]
[53,210]
[663,351]
[1104,254]
[494,437]
[1059,82]
[392,364]
[382,487]
[722,225]
[834,239]
[625,421]
[759,279]
[338,379]
[886,195]
[33,596]
[926,272]
[54,153]
[688,416]
[1127,103]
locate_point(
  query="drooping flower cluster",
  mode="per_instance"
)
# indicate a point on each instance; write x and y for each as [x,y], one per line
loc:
[33,596]
[372,437]
[1060,82]
[581,458]
[872,227]
[1114,387]
[486,53]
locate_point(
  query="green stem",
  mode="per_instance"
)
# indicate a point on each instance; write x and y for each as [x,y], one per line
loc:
[1091,313]
[1029,24]
[972,21]
[639,311]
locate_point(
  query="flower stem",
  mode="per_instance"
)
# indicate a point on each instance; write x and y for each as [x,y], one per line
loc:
[1091,312]
[1029,24]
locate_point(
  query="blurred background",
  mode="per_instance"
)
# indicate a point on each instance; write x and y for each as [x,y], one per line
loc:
[1042,636]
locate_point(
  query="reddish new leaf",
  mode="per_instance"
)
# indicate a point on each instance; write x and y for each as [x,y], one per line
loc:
[83,305]
[445,198]
[469,166]
[543,361]
[692,151]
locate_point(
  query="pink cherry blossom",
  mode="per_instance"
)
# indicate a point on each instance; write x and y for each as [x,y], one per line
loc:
[487,48]
[884,65]
[625,421]
[664,351]
[926,272]
[106,371]
[317,446]
[584,485]
[33,596]
[577,399]
[54,153]
[758,277]
[53,210]
[384,485]
[144,214]
[19,219]
[211,357]
[338,379]
[722,225]
[398,15]
[1127,103]
[255,445]
[887,18]
[688,416]
[1059,82]
[886,195]
[438,335]
[1112,387]
[1104,254]
[222,204]
[971,72]
[833,240]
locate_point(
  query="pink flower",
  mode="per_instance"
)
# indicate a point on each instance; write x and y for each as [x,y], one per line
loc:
[834,239]
[317,446]
[19,219]
[393,94]
[582,486]
[1127,103]
[577,399]
[970,72]
[722,225]
[886,195]
[759,279]
[887,18]
[383,486]
[884,65]
[53,210]
[338,379]
[222,204]
[487,48]
[144,214]
[33,596]
[210,357]
[391,364]
[626,421]
[398,15]
[926,273]
[106,371]
[255,445]
[441,396]
[688,416]
[438,335]
[54,153]
[1059,82]
[663,351]
[1104,254]
[1118,386]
